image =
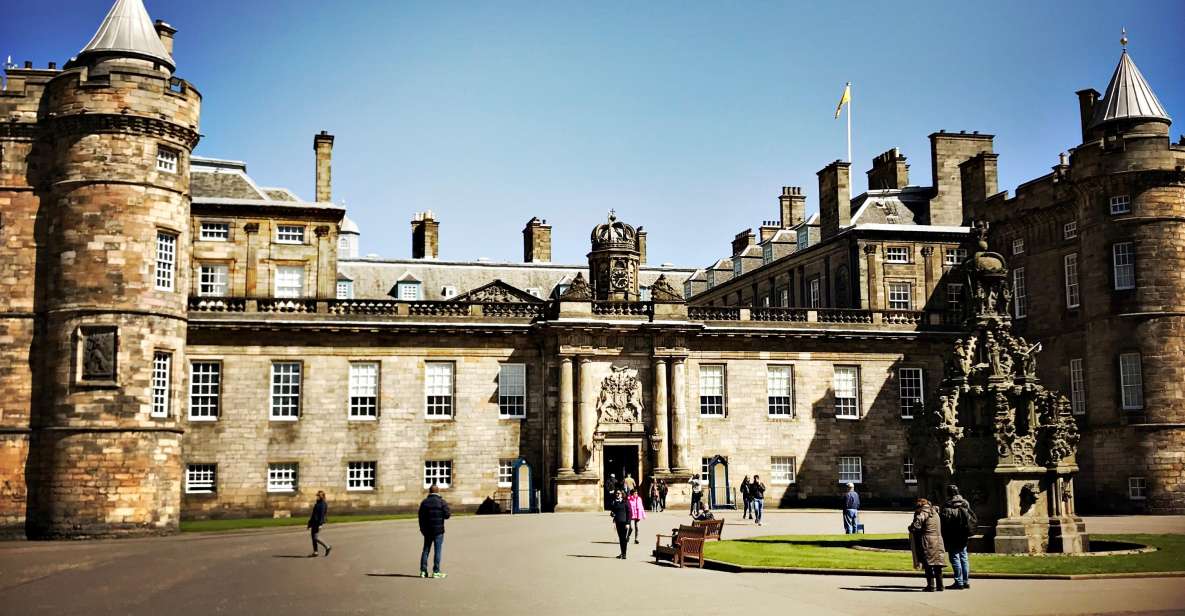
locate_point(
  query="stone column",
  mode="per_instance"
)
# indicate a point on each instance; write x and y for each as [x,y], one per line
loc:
[251,282]
[586,416]
[920,299]
[661,460]
[566,417]
[872,302]
[682,423]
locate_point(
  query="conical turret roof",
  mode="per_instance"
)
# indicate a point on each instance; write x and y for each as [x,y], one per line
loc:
[1128,97]
[128,31]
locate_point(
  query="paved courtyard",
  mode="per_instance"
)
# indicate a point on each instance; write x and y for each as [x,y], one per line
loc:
[543,564]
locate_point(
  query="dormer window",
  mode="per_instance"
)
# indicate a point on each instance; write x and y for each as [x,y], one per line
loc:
[408,291]
[804,238]
[345,289]
[1121,204]
[448,291]
[767,253]
[687,288]
[711,276]
[166,159]
[736,267]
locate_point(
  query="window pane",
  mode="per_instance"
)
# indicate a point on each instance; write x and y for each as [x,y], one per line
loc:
[201,478]
[505,473]
[850,469]
[438,389]
[290,234]
[438,472]
[360,475]
[285,390]
[900,296]
[161,373]
[212,280]
[1124,259]
[907,470]
[166,260]
[897,254]
[1071,274]
[1131,380]
[215,231]
[781,469]
[282,477]
[289,281]
[1077,387]
[846,386]
[205,384]
[910,390]
[778,391]
[711,390]
[1020,298]
[345,289]
[512,390]
[364,390]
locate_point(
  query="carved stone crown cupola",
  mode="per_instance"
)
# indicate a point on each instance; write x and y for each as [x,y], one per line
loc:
[614,260]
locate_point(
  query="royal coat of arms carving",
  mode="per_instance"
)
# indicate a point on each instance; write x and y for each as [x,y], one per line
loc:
[621,397]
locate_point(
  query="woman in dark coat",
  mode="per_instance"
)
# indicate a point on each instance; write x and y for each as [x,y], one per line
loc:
[925,537]
[745,497]
[316,520]
[619,512]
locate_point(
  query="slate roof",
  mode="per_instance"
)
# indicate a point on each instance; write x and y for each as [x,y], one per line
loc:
[1128,97]
[128,31]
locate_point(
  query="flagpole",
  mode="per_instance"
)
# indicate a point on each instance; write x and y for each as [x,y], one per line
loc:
[849,122]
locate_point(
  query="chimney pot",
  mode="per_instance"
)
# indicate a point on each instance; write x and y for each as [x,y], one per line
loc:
[28,64]
[53,65]
[166,34]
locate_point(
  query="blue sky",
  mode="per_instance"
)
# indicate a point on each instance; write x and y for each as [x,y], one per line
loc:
[686,117]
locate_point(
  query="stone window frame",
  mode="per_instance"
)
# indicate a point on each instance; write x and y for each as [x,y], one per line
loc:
[714,408]
[283,477]
[445,409]
[215,266]
[435,471]
[1119,204]
[1077,386]
[214,389]
[164,270]
[362,475]
[162,384]
[1070,278]
[898,255]
[785,408]
[1137,488]
[783,470]
[1020,295]
[363,407]
[1123,275]
[201,478]
[506,472]
[290,234]
[512,396]
[299,390]
[856,409]
[890,283]
[167,159]
[219,236]
[915,401]
[1131,378]
[908,470]
[858,477]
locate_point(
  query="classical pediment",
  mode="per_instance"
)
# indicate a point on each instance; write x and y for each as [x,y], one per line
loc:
[497,292]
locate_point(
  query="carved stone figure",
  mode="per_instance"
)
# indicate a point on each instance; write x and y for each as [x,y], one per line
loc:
[98,354]
[578,290]
[662,291]
[620,400]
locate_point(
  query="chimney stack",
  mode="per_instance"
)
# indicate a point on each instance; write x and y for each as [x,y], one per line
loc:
[835,198]
[889,170]
[323,147]
[641,245]
[979,181]
[1086,102]
[425,235]
[947,151]
[537,241]
[792,205]
[165,32]
[743,240]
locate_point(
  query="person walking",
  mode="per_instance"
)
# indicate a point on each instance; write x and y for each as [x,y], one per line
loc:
[619,512]
[745,497]
[610,488]
[318,519]
[697,494]
[851,509]
[662,495]
[757,496]
[637,511]
[655,496]
[628,485]
[925,539]
[433,512]
[958,525]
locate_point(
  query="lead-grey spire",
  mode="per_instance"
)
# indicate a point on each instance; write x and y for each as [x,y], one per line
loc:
[1128,97]
[128,31]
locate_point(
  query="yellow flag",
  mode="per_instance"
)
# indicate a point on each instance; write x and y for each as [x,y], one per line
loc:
[845,99]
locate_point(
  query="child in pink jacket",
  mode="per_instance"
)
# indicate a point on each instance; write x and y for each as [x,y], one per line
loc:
[637,511]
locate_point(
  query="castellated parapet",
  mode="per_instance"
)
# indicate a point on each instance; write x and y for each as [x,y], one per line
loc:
[104,459]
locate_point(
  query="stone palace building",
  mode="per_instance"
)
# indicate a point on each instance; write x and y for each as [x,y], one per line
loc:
[177,341]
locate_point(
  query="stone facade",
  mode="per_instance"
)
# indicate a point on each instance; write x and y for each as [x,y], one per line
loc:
[129,403]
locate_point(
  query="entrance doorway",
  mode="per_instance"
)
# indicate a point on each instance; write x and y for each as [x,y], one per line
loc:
[620,460]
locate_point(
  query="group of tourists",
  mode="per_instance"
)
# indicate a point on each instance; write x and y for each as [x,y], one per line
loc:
[626,509]
[936,532]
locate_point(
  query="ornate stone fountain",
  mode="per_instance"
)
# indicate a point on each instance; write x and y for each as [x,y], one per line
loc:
[995,431]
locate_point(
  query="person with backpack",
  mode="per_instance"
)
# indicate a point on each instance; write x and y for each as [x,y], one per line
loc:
[745,497]
[958,525]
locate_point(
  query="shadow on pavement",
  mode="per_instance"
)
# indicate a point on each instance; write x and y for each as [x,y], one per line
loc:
[589,556]
[604,542]
[403,575]
[291,556]
[884,588]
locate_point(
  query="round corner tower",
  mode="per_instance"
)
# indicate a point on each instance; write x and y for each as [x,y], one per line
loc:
[106,451]
[1130,202]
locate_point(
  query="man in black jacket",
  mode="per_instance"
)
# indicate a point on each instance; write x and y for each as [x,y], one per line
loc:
[316,521]
[433,512]
[619,511]
[958,525]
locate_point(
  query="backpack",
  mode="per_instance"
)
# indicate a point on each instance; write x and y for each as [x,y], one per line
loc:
[961,518]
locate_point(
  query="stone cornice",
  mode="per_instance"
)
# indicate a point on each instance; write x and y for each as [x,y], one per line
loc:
[89,123]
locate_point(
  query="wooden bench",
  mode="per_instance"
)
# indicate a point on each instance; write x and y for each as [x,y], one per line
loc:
[686,542]
[712,528]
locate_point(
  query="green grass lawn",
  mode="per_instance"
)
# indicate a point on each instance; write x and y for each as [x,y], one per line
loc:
[835,552]
[205,526]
